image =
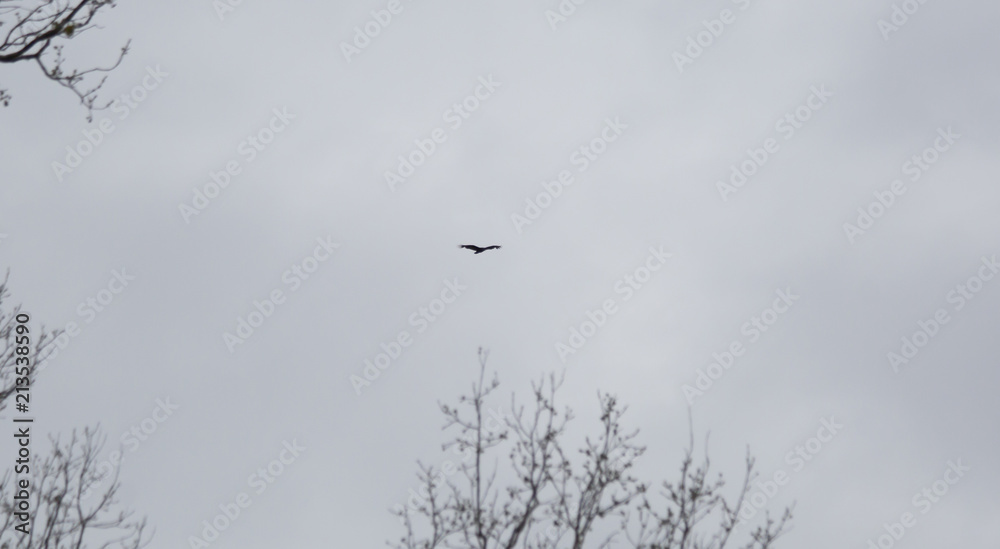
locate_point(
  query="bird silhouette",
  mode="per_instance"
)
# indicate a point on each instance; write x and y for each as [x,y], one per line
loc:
[477,249]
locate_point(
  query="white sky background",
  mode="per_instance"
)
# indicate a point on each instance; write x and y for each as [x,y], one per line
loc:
[655,186]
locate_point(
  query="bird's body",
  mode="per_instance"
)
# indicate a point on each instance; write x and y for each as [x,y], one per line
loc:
[477,249]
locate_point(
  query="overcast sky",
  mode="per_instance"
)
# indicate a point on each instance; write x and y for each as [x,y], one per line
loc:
[821,109]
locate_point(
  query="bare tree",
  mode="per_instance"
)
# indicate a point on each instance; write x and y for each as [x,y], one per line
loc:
[8,357]
[67,509]
[34,30]
[550,498]
[61,518]
[694,498]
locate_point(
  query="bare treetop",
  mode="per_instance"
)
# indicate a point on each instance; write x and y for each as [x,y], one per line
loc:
[35,31]
[558,498]
[73,498]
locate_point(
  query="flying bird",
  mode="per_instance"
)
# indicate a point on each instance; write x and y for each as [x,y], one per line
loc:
[477,249]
